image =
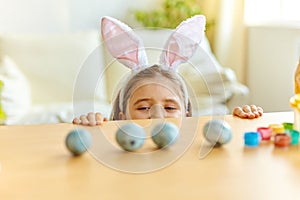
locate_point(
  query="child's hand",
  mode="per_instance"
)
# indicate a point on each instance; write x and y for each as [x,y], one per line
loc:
[249,112]
[91,119]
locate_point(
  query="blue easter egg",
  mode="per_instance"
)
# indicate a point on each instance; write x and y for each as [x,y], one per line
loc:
[78,141]
[217,132]
[165,134]
[131,136]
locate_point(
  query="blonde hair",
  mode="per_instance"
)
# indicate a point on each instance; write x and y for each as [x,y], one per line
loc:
[149,73]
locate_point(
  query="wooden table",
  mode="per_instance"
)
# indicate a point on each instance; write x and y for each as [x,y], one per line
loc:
[35,164]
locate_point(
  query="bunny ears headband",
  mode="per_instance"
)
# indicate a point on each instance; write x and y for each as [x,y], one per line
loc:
[129,50]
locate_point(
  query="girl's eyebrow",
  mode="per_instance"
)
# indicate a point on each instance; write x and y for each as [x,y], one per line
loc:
[172,101]
[168,100]
[141,100]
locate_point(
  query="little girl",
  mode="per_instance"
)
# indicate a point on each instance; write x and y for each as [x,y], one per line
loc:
[156,91]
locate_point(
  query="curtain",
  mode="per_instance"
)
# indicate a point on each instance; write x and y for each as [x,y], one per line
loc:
[227,34]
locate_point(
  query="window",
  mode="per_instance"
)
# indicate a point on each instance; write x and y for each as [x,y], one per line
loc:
[261,11]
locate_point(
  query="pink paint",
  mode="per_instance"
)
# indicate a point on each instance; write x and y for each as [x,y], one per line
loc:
[265,132]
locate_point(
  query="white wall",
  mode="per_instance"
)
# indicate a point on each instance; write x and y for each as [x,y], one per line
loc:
[273,53]
[33,15]
[65,15]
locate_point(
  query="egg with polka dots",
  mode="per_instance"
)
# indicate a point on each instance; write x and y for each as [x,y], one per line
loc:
[130,137]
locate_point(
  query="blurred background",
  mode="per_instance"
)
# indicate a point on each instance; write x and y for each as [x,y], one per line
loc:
[258,39]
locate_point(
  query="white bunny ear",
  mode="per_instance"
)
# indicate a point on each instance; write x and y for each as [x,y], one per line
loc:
[183,42]
[123,44]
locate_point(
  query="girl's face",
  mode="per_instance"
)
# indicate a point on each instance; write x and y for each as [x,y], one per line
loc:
[154,101]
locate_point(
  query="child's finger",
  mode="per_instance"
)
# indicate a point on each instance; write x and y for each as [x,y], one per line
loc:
[91,119]
[84,120]
[76,121]
[247,109]
[260,110]
[254,110]
[99,119]
[238,111]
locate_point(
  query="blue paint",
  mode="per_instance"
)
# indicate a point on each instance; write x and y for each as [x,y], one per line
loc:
[251,139]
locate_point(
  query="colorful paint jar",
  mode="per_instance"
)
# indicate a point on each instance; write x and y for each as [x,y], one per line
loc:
[294,137]
[252,139]
[277,128]
[282,140]
[265,132]
[288,125]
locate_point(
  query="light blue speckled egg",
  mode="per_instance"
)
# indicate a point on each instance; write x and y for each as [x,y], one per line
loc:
[165,134]
[217,132]
[130,136]
[78,141]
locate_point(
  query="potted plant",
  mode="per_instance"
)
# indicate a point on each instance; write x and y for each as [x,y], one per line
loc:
[172,13]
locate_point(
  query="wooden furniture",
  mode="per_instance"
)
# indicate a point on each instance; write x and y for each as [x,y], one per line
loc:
[35,164]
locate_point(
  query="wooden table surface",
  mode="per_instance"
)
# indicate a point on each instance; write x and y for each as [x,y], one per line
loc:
[35,164]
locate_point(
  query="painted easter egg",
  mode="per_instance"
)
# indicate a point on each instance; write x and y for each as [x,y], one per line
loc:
[165,134]
[78,141]
[130,137]
[217,132]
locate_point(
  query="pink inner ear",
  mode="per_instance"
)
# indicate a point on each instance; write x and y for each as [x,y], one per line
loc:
[183,42]
[172,53]
[119,42]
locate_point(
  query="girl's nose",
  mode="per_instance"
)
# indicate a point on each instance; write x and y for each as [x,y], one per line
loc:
[156,111]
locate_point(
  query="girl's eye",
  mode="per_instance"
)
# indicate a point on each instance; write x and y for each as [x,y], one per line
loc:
[143,108]
[169,108]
